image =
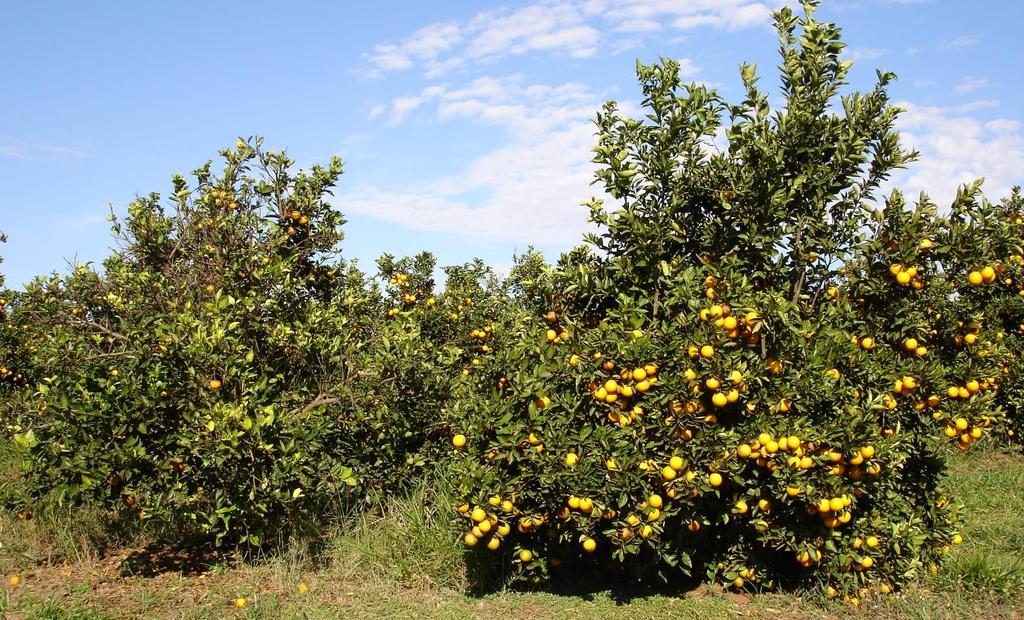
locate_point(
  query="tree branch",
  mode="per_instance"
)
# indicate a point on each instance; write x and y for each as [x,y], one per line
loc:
[103,328]
[102,355]
[319,401]
[797,255]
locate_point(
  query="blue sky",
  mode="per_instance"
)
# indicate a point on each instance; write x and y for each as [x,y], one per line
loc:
[465,126]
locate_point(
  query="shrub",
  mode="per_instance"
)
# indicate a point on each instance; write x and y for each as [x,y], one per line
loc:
[695,401]
[749,374]
[14,348]
[213,377]
[227,375]
[985,318]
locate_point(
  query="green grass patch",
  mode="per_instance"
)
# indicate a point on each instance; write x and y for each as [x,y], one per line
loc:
[404,560]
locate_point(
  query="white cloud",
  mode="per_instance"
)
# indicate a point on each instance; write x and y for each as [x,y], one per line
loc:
[574,28]
[424,45]
[402,106]
[19,149]
[961,42]
[638,25]
[390,57]
[726,14]
[865,53]
[505,102]
[554,27]
[431,41]
[956,149]
[687,68]
[980,104]
[532,192]
[971,83]
[624,45]
[526,190]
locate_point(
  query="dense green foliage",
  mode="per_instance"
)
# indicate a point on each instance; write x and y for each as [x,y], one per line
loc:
[746,375]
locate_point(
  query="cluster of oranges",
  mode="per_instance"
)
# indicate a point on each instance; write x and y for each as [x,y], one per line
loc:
[745,574]
[964,432]
[555,333]
[481,335]
[914,347]
[904,385]
[722,393]
[721,316]
[985,275]
[970,388]
[624,391]
[489,526]
[6,374]
[906,276]
[850,465]
[457,313]
[222,198]
[834,512]
[406,296]
[295,221]
[972,335]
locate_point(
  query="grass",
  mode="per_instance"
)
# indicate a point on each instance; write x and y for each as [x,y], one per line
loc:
[404,561]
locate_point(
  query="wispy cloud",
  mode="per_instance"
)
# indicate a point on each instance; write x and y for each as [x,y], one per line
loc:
[572,28]
[957,148]
[980,104]
[27,151]
[961,42]
[865,53]
[526,189]
[971,83]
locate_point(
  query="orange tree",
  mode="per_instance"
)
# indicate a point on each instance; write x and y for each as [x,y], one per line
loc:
[433,337]
[226,374]
[985,317]
[14,347]
[917,313]
[1009,309]
[692,401]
